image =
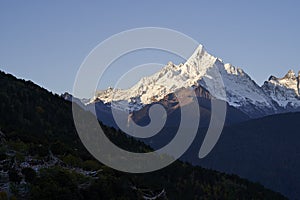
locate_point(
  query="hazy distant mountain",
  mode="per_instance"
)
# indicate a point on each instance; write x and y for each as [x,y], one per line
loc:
[266,150]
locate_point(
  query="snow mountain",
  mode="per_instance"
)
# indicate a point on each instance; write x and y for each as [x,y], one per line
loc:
[284,91]
[223,81]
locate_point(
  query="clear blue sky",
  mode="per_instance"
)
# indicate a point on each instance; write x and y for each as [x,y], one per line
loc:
[46,41]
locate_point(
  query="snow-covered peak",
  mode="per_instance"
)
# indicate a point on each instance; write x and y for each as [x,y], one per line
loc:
[290,81]
[169,79]
[290,75]
[199,63]
[233,70]
[284,91]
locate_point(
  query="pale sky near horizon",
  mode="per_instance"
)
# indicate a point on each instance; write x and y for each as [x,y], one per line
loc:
[46,41]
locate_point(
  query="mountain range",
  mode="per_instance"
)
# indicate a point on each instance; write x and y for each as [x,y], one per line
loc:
[42,157]
[202,70]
